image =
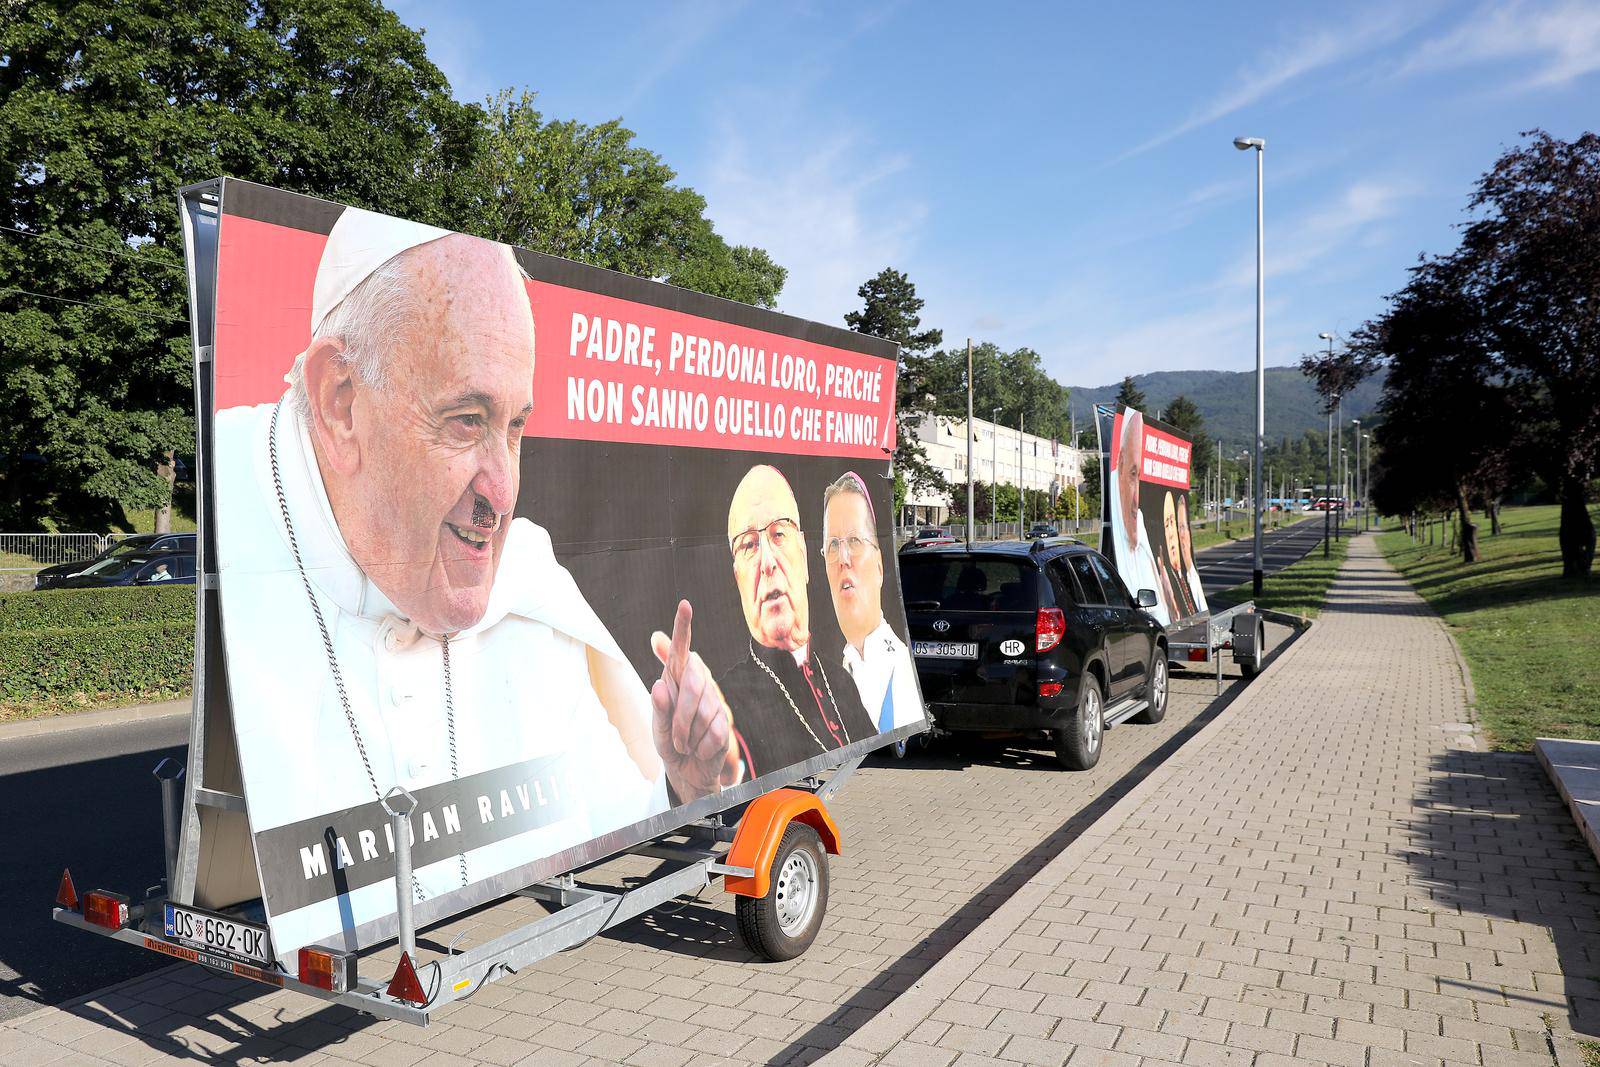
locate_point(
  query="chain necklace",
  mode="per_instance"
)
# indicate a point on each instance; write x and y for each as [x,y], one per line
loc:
[795,707]
[333,659]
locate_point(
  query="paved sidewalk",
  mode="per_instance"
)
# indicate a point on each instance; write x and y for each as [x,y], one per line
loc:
[933,845]
[1332,872]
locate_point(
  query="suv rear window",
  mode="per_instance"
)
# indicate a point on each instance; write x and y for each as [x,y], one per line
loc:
[968,584]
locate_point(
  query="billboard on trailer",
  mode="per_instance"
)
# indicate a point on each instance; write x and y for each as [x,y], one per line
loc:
[571,557]
[1146,472]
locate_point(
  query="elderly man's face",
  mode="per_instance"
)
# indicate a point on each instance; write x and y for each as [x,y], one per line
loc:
[1169,520]
[427,511]
[1128,481]
[855,576]
[769,560]
[1183,531]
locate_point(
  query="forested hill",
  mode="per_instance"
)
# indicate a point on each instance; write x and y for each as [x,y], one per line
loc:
[1227,400]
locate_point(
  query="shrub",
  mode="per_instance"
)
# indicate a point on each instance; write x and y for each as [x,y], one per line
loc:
[58,609]
[133,658]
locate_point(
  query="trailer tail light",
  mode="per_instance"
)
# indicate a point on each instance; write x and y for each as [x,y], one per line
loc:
[328,968]
[1049,689]
[1197,655]
[404,985]
[67,893]
[106,909]
[1049,628]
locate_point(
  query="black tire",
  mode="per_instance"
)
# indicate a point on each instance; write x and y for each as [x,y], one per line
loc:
[1251,667]
[1158,689]
[782,924]
[1078,746]
[895,751]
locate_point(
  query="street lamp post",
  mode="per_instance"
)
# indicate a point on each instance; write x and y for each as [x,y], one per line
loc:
[1355,471]
[1327,483]
[1019,475]
[994,470]
[1244,144]
[1366,479]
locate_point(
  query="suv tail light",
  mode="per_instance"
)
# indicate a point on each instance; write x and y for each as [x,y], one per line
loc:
[1049,628]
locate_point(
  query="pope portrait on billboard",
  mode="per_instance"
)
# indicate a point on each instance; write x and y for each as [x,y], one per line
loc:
[389,622]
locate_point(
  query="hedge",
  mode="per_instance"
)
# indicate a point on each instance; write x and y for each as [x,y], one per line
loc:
[133,658]
[57,609]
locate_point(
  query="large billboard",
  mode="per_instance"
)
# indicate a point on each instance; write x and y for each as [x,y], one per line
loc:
[1148,510]
[572,557]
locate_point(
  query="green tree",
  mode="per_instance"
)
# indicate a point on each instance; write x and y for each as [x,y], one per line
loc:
[1130,394]
[589,193]
[1185,416]
[106,108]
[892,310]
[1014,382]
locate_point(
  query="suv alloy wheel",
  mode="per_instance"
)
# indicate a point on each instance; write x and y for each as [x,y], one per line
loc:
[1078,746]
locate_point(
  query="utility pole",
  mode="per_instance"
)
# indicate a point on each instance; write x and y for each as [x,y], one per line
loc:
[970,502]
[1355,470]
[1020,490]
[994,470]
[1219,485]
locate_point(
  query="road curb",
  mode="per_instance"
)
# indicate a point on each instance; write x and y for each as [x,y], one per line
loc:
[85,720]
[903,1014]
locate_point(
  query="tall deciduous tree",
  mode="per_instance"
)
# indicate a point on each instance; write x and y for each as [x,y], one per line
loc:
[1535,259]
[589,193]
[891,309]
[106,108]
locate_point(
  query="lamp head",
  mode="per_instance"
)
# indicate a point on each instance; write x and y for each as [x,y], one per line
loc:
[1326,336]
[1246,143]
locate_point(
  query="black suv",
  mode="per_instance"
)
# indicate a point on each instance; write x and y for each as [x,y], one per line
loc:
[1033,636]
[138,560]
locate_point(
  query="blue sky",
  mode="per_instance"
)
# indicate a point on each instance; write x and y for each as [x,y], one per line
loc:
[1061,176]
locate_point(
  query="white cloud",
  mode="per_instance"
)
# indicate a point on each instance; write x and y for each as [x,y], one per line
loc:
[1559,41]
[682,31]
[1352,218]
[1268,70]
[817,207]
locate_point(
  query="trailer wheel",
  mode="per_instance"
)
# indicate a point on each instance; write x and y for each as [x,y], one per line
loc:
[1156,692]
[1078,746]
[782,924]
[1250,666]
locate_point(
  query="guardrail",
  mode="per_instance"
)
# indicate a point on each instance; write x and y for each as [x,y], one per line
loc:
[27,552]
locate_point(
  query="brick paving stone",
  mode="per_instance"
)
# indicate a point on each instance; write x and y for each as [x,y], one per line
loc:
[1336,873]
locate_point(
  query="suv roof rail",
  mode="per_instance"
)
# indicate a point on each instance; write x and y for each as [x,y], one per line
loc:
[1044,542]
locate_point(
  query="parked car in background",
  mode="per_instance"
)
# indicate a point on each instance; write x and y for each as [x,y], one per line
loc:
[137,560]
[1042,529]
[1035,638]
[929,536]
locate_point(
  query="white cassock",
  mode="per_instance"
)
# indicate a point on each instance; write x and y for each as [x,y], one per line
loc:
[1196,590]
[886,678]
[1137,568]
[521,682]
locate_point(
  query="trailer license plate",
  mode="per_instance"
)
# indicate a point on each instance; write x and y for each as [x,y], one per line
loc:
[945,649]
[214,933]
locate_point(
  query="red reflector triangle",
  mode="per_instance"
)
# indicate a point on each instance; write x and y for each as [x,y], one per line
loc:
[67,894]
[404,985]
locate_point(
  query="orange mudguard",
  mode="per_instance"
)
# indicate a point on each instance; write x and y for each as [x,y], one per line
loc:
[761,830]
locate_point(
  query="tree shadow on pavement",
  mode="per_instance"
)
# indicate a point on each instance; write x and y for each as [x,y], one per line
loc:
[1492,839]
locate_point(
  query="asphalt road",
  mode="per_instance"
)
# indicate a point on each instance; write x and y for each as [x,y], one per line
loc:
[83,799]
[1227,565]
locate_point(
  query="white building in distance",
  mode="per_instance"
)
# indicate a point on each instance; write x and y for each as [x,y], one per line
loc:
[1045,465]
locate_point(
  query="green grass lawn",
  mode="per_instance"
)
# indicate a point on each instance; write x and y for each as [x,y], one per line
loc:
[1529,636]
[1298,589]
